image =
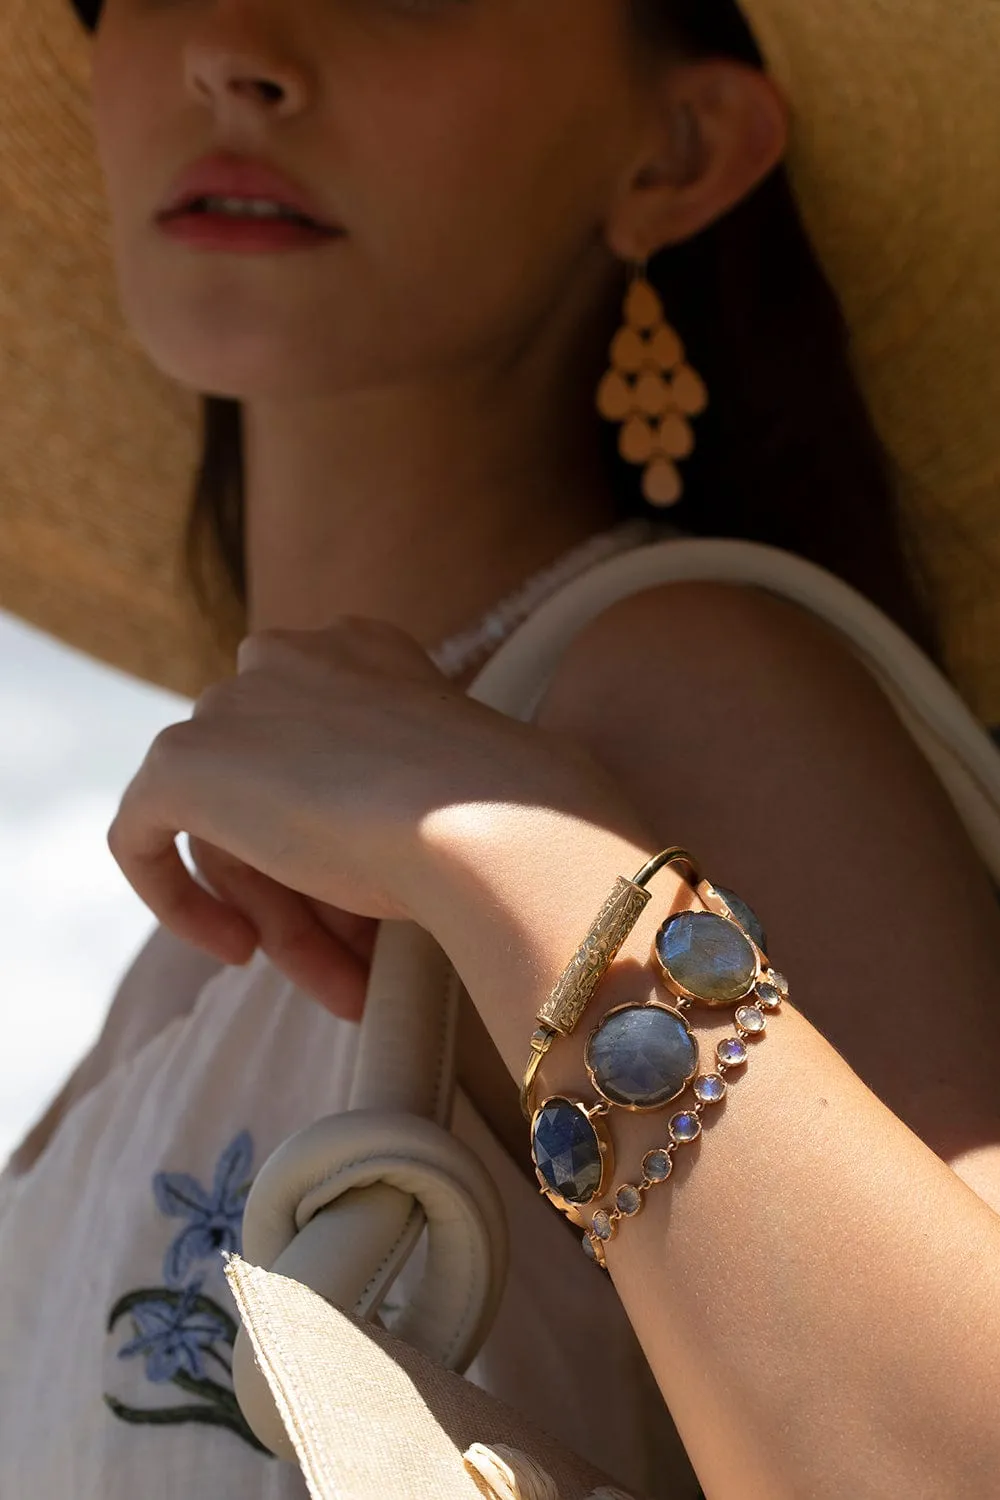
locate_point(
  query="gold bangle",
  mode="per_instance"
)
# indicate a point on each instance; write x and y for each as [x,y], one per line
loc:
[541,1041]
[574,989]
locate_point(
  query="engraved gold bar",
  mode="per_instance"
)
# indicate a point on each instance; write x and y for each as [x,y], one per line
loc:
[575,987]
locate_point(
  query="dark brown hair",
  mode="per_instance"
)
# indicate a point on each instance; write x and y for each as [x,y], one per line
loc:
[786,453]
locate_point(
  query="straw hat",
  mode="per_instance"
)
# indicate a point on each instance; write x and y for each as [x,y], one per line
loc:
[894,160]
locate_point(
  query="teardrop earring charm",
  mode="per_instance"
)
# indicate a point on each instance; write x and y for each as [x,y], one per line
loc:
[651,391]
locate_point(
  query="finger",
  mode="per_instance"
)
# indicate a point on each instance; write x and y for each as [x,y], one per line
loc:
[296,941]
[358,933]
[151,863]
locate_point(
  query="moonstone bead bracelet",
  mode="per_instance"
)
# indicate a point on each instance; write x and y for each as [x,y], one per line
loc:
[642,1056]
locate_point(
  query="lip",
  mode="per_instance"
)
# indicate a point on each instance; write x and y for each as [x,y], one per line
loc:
[237,236]
[227,175]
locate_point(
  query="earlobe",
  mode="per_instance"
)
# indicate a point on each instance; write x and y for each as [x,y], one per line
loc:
[722,127]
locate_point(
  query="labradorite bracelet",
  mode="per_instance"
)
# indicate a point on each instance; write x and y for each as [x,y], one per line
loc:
[643,1056]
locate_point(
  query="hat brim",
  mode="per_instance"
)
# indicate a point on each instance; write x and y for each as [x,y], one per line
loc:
[893,158]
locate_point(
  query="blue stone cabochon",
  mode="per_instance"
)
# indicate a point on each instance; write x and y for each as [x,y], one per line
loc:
[706,957]
[641,1055]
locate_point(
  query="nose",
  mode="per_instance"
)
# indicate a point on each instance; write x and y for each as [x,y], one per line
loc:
[243,77]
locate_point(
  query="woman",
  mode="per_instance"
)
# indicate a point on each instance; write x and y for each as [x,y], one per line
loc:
[398,234]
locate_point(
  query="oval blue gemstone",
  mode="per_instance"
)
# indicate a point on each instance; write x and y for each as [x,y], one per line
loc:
[642,1055]
[566,1150]
[707,956]
[745,915]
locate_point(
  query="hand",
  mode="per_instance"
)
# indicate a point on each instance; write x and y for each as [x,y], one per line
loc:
[307,784]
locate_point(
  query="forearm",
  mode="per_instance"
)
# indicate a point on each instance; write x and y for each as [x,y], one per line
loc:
[814,1288]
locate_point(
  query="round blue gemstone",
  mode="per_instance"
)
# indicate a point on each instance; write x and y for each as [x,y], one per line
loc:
[707,956]
[745,915]
[566,1150]
[642,1055]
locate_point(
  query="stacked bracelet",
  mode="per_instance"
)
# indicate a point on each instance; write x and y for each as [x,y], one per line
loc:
[575,987]
[643,1056]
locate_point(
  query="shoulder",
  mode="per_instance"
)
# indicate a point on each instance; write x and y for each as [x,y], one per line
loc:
[702,659]
[742,726]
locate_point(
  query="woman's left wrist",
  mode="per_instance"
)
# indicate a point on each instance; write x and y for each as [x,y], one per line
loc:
[514,892]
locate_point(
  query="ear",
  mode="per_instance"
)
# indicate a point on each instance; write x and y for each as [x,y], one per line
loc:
[718,128]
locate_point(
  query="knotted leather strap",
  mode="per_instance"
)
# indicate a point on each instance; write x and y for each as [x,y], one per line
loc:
[337,1207]
[341,1205]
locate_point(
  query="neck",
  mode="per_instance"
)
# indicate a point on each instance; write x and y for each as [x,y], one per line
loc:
[419,508]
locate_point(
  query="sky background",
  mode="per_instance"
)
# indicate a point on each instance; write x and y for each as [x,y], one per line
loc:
[72,736]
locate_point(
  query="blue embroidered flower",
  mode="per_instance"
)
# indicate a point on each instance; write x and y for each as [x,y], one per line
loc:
[173,1335]
[215,1218]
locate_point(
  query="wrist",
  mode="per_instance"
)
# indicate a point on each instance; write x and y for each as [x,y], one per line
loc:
[515,892]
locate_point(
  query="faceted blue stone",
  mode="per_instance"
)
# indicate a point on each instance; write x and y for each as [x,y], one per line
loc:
[642,1055]
[707,956]
[566,1150]
[745,915]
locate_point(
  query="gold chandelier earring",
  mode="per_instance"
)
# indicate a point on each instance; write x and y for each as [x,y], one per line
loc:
[651,390]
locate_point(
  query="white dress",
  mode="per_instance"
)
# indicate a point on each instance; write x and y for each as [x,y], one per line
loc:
[117,1320]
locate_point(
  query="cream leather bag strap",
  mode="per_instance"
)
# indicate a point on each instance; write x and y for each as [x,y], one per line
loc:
[339,1207]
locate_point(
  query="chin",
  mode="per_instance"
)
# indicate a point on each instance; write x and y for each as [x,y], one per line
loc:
[244,369]
[218,332]
[245,361]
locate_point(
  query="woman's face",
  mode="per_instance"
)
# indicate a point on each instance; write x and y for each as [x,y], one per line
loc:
[469,152]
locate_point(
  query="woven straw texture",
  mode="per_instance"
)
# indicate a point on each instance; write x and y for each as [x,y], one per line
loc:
[896,164]
[96,448]
[894,158]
